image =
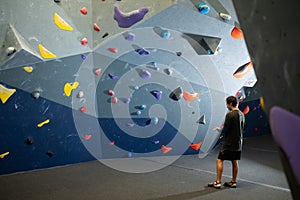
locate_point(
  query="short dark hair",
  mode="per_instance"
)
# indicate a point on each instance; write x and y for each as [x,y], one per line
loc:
[232,100]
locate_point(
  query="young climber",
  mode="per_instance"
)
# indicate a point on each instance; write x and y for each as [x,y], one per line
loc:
[232,145]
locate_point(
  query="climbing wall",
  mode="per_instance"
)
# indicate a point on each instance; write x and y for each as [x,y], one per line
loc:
[107,80]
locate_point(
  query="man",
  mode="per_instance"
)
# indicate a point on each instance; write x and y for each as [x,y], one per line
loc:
[232,145]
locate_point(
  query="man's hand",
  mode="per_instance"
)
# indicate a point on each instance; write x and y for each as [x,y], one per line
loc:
[217,129]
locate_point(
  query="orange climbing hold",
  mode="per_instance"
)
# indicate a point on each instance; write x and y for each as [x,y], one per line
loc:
[190,97]
[165,149]
[196,146]
[243,70]
[237,33]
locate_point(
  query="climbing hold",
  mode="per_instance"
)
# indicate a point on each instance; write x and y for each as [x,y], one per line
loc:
[69,87]
[57,1]
[237,33]
[112,143]
[43,123]
[138,112]
[168,71]
[45,53]
[165,34]
[80,94]
[36,94]
[83,109]
[129,154]
[97,72]
[202,120]
[203,8]
[130,124]
[29,141]
[155,142]
[165,149]
[142,51]
[126,100]
[178,53]
[28,69]
[49,153]
[157,94]
[142,107]
[4,154]
[61,23]
[196,146]
[105,35]
[243,70]
[255,129]
[113,50]
[225,16]
[111,76]
[176,95]
[190,97]
[154,120]
[10,51]
[145,74]
[114,100]
[125,20]
[130,37]
[5,93]
[83,56]
[83,10]
[246,110]
[261,101]
[87,137]
[96,27]
[84,41]
[136,87]
[111,93]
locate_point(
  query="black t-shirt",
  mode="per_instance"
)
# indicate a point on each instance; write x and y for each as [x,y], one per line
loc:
[233,130]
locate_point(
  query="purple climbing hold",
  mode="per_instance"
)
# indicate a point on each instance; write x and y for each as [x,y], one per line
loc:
[83,56]
[112,76]
[157,94]
[142,51]
[126,100]
[145,74]
[125,20]
[130,37]
[130,124]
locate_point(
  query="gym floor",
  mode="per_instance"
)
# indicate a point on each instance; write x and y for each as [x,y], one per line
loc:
[260,176]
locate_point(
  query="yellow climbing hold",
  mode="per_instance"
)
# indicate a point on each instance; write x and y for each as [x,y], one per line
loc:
[28,69]
[6,93]
[4,154]
[69,87]
[62,24]
[262,104]
[43,123]
[45,53]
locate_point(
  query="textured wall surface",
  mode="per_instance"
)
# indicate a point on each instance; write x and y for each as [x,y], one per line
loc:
[83,80]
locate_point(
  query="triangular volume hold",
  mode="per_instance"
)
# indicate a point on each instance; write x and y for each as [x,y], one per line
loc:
[15,51]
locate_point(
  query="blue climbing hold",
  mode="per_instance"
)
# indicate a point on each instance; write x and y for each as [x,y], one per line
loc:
[154,120]
[165,34]
[203,8]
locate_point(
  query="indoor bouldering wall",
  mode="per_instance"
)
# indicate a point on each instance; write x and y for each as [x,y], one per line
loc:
[112,80]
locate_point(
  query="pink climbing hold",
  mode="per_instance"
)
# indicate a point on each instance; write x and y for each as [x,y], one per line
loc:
[112,143]
[84,41]
[113,50]
[83,10]
[96,27]
[111,93]
[114,100]
[87,137]
[97,72]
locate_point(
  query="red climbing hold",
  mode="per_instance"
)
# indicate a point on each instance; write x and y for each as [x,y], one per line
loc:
[237,33]
[112,143]
[96,27]
[111,93]
[87,137]
[84,41]
[246,110]
[83,10]
[114,99]
[112,49]
[97,72]
[196,146]
[83,109]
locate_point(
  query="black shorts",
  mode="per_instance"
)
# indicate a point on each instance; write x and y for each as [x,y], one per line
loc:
[229,155]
